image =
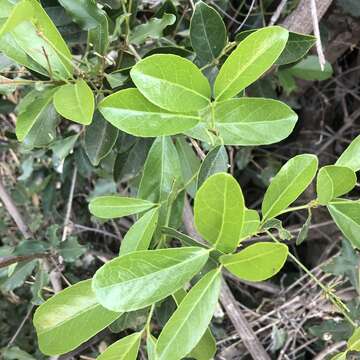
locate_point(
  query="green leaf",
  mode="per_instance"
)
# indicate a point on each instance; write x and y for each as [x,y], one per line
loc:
[257,262]
[114,206]
[33,106]
[75,102]
[62,148]
[207,33]
[252,57]
[334,181]
[297,46]
[126,348]
[190,320]
[130,111]
[288,184]
[151,346]
[340,356]
[15,353]
[73,308]
[351,156]
[122,284]
[216,161]
[346,214]
[189,163]
[251,224]
[164,80]
[309,69]
[253,121]
[303,233]
[152,29]
[141,232]
[100,137]
[219,211]
[16,276]
[354,342]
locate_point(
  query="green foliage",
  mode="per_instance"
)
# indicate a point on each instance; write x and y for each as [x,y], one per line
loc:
[350,157]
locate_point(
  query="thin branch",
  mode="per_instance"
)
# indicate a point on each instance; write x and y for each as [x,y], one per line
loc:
[319,48]
[17,332]
[276,15]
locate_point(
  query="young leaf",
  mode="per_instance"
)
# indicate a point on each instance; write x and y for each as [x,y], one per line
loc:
[100,137]
[303,233]
[139,235]
[114,206]
[126,348]
[253,121]
[207,33]
[288,184]
[251,224]
[351,156]
[219,211]
[252,57]
[354,342]
[129,111]
[73,308]
[334,181]
[257,262]
[297,46]
[190,320]
[309,69]
[123,284]
[346,214]
[216,161]
[172,83]
[75,102]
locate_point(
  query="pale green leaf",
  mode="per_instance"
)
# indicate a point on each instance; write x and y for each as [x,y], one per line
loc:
[190,320]
[219,211]
[334,181]
[309,69]
[252,57]
[257,262]
[126,348]
[129,111]
[207,33]
[170,82]
[340,356]
[138,279]
[354,341]
[69,318]
[351,156]
[114,206]
[251,224]
[288,184]
[75,102]
[140,234]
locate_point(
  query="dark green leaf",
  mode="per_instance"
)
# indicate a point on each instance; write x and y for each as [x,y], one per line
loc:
[309,69]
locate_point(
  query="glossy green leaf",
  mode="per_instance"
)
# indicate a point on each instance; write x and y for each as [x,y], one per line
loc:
[189,163]
[130,111]
[138,279]
[351,156]
[207,33]
[219,211]
[100,137]
[288,184]
[253,121]
[34,104]
[251,223]
[346,214]
[140,234]
[114,206]
[126,348]
[190,320]
[257,262]
[252,57]
[354,342]
[309,69]
[297,46]
[152,29]
[69,318]
[170,81]
[75,102]
[334,181]
[216,161]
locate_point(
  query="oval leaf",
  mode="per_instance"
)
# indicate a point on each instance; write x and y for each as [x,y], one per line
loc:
[257,262]
[190,320]
[75,102]
[129,111]
[73,308]
[334,181]
[288,184]
[114,206]
[136,280]
[251,224]
[170,81]
[219,211]
[252,57]
[351,156]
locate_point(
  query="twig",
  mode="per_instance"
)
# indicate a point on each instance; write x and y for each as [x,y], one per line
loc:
[319,48]
[246,17]
[17,332]
[275,16]
[330,350]
[9,260]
